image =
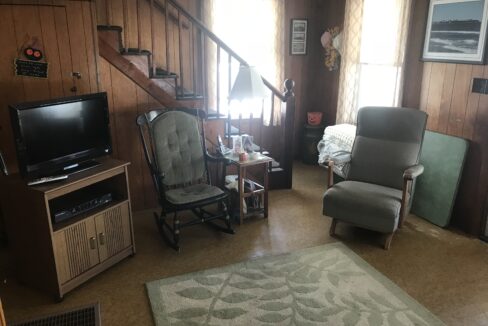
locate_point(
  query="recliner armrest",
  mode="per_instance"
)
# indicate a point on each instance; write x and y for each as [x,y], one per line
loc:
[341,158]
[413,172]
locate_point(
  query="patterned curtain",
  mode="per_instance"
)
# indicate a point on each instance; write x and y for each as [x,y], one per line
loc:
[349,76]
[373,51]
[259,41]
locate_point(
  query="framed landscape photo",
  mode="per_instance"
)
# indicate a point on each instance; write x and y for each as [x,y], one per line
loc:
[456,31]
[298,37]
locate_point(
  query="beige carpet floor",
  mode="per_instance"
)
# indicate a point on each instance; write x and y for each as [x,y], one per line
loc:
[442,269]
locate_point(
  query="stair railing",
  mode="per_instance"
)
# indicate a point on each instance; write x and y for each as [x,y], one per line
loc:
[196,79]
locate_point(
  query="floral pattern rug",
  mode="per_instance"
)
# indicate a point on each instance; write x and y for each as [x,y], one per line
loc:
[326,285]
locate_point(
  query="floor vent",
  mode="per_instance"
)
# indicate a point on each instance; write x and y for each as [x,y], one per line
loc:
[84,316]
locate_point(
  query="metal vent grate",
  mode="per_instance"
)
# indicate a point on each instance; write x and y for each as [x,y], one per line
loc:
[84,316]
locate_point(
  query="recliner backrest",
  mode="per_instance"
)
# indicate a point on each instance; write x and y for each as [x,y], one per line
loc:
[388,140]
[178,147]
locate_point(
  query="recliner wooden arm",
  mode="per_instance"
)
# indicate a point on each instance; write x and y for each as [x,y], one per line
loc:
[408,176]
[413,172]
[342,158]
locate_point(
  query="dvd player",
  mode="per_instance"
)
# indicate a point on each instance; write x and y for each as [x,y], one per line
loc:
[63,214]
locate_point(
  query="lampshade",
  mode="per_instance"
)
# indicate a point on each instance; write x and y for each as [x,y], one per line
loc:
[248,85]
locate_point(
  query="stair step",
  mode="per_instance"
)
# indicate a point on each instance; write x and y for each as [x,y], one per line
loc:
[182,93]
[161,71]
[162,74]
[213,115]
[109,28]
[135,51]
[189,96]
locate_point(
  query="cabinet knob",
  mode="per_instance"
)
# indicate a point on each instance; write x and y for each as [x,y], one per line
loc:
[101,238]
[93,243]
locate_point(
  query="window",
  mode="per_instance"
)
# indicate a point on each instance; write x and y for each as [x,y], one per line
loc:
[254,30]
[372,65]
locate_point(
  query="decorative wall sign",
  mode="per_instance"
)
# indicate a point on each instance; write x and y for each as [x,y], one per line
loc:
[31,68]
[456,31]
[35,65]
[298,37]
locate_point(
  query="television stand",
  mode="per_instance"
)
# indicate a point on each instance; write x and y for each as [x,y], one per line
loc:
[57,256]
[78,167]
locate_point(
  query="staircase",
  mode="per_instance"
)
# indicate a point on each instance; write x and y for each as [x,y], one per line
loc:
[175,71]
[136,64]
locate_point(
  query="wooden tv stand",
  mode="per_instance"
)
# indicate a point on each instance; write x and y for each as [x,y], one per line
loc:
[57,257]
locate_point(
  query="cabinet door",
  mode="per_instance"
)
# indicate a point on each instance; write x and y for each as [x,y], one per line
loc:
[114,231]
[75,249]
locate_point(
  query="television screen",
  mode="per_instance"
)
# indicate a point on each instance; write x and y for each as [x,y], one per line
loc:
[52,135]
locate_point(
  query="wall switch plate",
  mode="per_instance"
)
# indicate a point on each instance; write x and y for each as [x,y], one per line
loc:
[480,85]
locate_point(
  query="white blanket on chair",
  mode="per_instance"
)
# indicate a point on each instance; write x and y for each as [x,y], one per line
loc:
[337,140]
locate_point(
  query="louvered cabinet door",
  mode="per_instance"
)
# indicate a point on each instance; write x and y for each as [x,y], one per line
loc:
[75,249]
[113,231]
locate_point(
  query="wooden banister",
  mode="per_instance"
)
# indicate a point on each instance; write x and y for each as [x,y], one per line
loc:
[288,116]
[172,17]
[180,55]
[125,14]
[108,10]
[219,42]
[139,25]
[191,67]
[153,64]
[166,31]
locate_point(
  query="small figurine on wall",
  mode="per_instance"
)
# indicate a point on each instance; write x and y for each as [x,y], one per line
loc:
[332,42]
[35,65]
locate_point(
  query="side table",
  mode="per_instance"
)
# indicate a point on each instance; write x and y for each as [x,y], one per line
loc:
[311,137]
[259,189]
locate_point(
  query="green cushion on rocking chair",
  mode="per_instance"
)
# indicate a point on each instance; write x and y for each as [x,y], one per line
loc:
[192,193]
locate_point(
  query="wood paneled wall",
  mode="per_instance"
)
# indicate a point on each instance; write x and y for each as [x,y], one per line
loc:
[169,59]
[446,96]
[443,90]
[126,101]
[66,32]
[316,87]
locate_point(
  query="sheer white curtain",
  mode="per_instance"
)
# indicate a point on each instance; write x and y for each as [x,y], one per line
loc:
[255,30]
[375,35]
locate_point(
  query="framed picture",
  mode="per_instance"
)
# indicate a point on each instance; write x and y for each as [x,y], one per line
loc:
[456,31]
[298,37]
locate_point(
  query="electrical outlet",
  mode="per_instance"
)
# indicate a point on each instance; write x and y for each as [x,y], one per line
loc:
[480,85]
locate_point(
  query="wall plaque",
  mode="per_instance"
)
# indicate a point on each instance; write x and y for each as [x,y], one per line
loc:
[31,68]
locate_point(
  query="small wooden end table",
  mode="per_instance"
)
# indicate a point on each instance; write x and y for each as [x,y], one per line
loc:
[259,189]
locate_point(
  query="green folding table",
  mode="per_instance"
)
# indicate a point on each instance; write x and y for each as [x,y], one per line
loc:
[435,191]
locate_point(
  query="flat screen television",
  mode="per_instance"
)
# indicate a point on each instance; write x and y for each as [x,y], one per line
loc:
[60,136]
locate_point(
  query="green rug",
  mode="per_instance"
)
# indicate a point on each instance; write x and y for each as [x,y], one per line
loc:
[326,285]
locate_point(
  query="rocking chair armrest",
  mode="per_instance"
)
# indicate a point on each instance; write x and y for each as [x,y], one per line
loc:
[216,159]
[413,171]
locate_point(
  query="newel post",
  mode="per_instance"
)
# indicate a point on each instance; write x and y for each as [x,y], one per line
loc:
[288,120]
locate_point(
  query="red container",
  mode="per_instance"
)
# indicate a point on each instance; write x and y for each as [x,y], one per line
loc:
[314,118]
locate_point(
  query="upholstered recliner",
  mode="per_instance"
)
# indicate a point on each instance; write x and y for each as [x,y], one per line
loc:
[174,146]
[379,184]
